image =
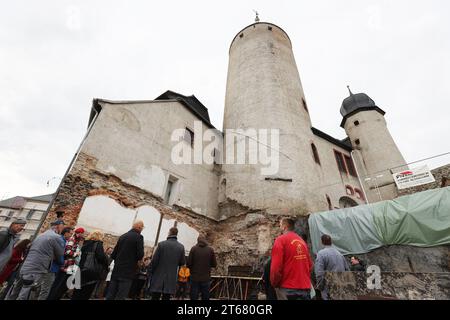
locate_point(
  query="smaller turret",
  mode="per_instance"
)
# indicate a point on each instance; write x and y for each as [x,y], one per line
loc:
[376,154]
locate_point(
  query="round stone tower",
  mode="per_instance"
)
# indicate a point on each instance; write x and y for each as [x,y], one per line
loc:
[376,154]
[264,92]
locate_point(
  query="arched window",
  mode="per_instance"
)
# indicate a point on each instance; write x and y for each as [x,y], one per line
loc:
[346,202]
[359,194]
[315,153]
[349,190]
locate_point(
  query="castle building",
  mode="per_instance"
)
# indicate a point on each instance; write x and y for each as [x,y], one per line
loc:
[125,169]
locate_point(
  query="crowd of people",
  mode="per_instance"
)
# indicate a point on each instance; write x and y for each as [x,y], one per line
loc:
[64,263]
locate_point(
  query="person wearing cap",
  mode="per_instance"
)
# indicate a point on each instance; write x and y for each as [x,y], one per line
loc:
[8,239]
[42,252]
[72,253]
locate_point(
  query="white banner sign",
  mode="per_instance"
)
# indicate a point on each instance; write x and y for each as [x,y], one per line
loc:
[413,177]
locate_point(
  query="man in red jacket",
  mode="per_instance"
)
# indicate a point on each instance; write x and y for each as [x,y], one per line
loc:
[290,270]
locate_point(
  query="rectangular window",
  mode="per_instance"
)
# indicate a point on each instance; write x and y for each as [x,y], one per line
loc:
[216,156]
[170,189]
[350,166]
[9,216]
[189,136]
[30,214]
[340,161]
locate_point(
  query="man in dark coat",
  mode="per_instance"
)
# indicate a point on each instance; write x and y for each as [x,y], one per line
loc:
[8,238]
[200,261]
[128,252]
[168,257]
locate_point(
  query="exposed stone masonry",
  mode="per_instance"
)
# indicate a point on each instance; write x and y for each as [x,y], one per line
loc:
[241,240]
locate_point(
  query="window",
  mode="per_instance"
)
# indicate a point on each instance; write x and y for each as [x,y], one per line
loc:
[315,153]
[9,216]
[189,136]
[356,123]
[170,189]
[359,194]
[330,206]
[350,166]
[340,161]
[30,214]
[216,156]
[304,104]
[349,190]
[241,35]
[357,142]
[269,28]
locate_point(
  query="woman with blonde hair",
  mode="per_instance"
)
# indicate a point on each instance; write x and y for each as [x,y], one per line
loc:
[92,265]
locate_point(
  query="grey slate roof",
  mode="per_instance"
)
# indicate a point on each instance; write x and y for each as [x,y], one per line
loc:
[346,145]
[355,103]
[16,202]
[191,102]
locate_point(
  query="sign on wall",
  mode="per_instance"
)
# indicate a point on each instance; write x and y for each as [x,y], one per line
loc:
[413,177]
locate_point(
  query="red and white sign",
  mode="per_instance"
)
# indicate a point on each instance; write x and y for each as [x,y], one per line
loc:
[413,177]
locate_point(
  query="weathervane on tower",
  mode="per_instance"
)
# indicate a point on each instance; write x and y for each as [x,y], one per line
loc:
[351,93]
[256,18]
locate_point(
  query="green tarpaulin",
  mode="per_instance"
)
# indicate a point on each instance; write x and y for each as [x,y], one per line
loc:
[421,219]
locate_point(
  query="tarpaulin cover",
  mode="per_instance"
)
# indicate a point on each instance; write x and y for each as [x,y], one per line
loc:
[421,219]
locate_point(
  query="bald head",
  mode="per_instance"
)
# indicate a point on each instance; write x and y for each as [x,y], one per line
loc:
[138,225]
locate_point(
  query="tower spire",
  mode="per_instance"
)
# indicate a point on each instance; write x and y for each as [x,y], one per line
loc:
[257,17]
[351,93]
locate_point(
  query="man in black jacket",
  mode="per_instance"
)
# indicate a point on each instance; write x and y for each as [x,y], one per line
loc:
[128,252]
[201,259]
[8,239]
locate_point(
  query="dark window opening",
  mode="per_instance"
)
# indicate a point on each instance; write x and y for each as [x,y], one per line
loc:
[357,142]
[340,161]
[169,189]
[349,190]
[304,105]
[269,28]
[359,194]
[216,156]
[9,216]
[189,136]
[315,153]
[330,206]
[241,35]
[30,214]
[350,166]
[356,123]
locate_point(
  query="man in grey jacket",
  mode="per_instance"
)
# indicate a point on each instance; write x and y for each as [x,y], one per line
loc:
[45,248]
[8,239]
[328,259]
[168,257]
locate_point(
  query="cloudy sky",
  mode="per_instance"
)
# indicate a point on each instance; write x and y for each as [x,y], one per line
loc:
[56,56]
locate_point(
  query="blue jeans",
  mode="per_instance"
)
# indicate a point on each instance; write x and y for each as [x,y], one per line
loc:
[200,288]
